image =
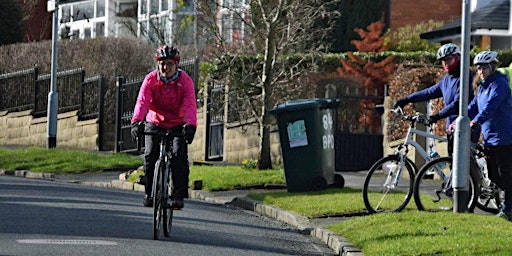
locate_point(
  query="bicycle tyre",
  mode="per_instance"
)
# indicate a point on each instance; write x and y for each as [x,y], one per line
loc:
[430,192]
[168,214]
[377,196]
[157,201]
[490,201]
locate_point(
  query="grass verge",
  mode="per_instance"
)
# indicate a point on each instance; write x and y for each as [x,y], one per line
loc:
[407,233]
[63,161]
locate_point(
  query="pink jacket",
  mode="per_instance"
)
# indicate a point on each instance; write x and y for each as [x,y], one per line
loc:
[166,105]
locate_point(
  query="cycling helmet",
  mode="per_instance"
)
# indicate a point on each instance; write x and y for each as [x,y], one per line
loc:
[447,50]
[166,52]
[485,57]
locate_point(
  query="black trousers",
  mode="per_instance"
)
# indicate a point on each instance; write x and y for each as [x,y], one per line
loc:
[499,165]
[179,162]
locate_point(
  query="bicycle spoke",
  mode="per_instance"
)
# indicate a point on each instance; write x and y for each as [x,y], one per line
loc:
[387,186]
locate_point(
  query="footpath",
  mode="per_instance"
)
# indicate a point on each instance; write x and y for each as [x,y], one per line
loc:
[238,198]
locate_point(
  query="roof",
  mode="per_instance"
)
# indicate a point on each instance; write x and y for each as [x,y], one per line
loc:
[493,16]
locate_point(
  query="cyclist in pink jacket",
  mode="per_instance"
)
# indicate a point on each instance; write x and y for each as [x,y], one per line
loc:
[166,100]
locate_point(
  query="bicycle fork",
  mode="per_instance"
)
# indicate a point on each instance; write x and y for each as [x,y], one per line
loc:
[394,172]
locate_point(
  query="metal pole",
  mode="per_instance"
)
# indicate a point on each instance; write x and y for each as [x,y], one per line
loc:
[460,178]
[52,95]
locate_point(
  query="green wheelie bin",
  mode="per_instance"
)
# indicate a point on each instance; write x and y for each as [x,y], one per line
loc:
[306,133]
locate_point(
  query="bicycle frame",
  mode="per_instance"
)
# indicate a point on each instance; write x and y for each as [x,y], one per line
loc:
[165,159]
[403,149]
[409,141]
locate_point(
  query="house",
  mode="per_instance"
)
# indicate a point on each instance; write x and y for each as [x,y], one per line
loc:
[159,22]
[489,26]
[406,12]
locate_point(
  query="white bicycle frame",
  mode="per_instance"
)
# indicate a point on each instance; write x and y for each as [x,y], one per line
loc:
[416,145]
[403,150]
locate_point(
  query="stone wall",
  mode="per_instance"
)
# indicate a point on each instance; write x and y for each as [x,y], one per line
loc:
[242,143]
[20,128]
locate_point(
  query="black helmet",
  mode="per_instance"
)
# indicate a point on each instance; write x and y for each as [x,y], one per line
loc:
[166,52]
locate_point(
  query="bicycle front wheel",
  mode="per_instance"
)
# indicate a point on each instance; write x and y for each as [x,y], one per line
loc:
[388,185]
[168,213]
[433,190]
[158,206]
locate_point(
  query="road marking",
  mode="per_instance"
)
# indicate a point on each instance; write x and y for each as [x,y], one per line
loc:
[65,241]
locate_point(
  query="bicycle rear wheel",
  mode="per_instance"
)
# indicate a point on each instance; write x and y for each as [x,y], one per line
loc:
[490,198]
[158,207]
[388,185]
[433,190]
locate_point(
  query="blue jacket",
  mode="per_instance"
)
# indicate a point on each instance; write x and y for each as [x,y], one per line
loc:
[492,109]
[448,88]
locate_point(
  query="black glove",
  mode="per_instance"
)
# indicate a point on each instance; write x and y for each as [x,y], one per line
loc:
[400,103]
[433,118]
[188,132]
[137,129]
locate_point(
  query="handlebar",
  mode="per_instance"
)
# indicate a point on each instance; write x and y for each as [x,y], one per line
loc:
[417,118]
[164,134]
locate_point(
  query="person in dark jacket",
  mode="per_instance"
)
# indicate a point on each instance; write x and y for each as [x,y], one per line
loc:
[448,88]
[491,110]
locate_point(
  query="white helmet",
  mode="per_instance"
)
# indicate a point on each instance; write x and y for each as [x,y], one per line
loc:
[447,50]
[485,57]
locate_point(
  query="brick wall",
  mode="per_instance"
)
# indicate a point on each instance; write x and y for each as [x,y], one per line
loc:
[407,12]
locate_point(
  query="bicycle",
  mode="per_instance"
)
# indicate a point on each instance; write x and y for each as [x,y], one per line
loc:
[388,187]
[433,185]
[161,187]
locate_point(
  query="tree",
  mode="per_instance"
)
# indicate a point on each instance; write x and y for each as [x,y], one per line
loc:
[373,75]
[367,12]
[407,38]
[268,29]
[11,24]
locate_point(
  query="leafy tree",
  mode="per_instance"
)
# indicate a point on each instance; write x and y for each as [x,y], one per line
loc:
[407,38]
[271,30]
[372,75]
[11,23]
[355,14]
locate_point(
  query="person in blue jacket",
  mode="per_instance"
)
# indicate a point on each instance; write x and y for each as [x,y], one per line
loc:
[448,88]
[491,110]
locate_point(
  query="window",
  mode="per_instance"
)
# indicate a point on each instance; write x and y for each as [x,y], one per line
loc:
[83,11]
[100,8]
[66,14]
[153,7]
[143,6]
[75,34]
[127,10]
[87,33]
[100,29]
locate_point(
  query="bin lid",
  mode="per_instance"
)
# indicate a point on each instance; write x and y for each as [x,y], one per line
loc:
[294,105]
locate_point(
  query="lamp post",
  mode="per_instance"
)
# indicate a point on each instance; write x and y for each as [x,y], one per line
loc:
[460,179]
[53,104]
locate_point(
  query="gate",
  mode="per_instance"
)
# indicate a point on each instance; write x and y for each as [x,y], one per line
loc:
[215,122]
[358,139]
[127,92]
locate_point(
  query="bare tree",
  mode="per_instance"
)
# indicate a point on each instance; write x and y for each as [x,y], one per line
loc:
[269,29]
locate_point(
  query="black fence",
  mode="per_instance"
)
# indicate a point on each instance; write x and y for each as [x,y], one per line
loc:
[27,90]
[17,90]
